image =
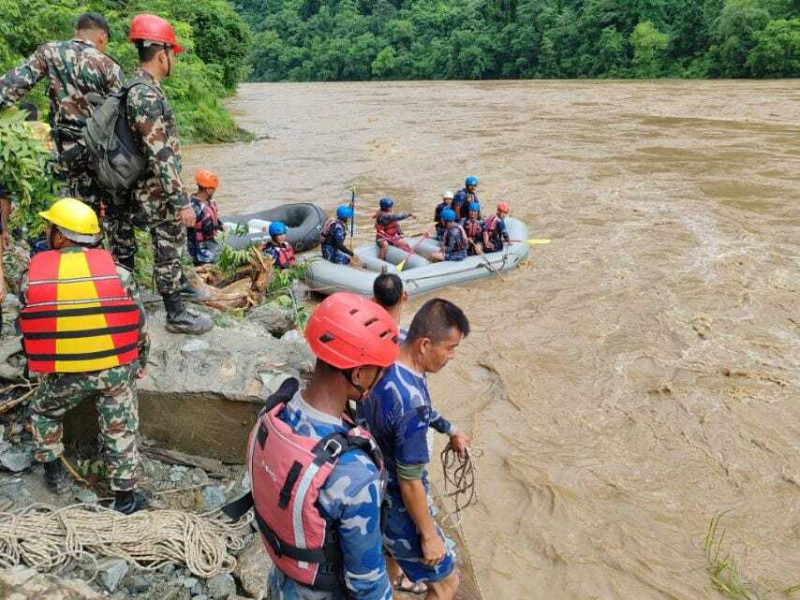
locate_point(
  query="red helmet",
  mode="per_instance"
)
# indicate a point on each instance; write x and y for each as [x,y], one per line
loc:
[502,207]
[150,28]
[348,331]
[207,179]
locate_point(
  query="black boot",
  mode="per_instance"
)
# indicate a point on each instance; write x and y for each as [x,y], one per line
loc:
[191,293]
[56,477]
[129,501]
[180,320]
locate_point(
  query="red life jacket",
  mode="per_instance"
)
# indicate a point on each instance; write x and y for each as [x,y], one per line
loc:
[288,471]
[77,317]
[473,229]
[461,245]
[285,254]
[389,230]
[206,226]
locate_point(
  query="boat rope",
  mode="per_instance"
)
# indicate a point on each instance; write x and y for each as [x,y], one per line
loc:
[459,474]
[44,537]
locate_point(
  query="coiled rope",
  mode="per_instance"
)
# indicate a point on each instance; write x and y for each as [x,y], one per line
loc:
[459,475]
[44,538]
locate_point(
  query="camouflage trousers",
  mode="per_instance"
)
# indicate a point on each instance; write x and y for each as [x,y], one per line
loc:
[166,230]
[118,414]
[83,187]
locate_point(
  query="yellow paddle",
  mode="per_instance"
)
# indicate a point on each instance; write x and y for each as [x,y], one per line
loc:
[402,263]
[531,242]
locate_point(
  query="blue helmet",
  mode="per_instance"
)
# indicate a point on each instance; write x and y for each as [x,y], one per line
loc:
[474,206]
[471,180]
[344,212]
[386,203]
[448,215]
[277,228]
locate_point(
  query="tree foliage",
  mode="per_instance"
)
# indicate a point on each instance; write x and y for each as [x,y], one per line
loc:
[481,39]
[217,40]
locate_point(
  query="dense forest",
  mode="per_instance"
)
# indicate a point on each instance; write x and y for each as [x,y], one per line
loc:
[303,40]
[217,38]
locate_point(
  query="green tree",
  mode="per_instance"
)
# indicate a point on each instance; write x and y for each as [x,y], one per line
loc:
[734,31]
[777,50]
[649,50]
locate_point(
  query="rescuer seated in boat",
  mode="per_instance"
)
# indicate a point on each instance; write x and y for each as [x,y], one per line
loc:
[464,196]
[387,227]
[454,239]
[495,231]
[447,202]
[317,479]
[399,413]
[332,238]
[387,290]
[277,247]
[473,228]
[201,238]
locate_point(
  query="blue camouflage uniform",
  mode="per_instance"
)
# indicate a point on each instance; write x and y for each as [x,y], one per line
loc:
[455,243]
[437,218]
[461,201]
[337,233]
[352,498]
[399,414]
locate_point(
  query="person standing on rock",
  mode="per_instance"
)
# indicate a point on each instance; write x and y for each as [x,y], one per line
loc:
[399,413]
[79,76]
[316,478]
[84,331]
[160,195]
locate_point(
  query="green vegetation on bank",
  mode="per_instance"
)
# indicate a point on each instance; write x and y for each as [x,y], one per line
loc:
[216,38]
[305,40]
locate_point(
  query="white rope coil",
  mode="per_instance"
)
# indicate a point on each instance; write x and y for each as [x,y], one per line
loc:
[45,538]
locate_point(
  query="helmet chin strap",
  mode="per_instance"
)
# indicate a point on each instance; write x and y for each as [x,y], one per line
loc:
[348,375]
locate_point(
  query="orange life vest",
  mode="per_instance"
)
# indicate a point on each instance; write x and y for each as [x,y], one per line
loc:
[390,229]
[77,317]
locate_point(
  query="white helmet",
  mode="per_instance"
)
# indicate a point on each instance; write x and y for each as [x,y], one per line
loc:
[448,194]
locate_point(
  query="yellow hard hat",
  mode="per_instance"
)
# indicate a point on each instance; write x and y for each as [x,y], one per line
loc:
[72,215]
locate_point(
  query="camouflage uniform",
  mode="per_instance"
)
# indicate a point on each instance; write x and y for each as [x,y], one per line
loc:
[75,69]
[160,195]
[115,396]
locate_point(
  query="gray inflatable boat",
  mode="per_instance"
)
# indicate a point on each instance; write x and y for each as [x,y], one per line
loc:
[419,275]
[304,221]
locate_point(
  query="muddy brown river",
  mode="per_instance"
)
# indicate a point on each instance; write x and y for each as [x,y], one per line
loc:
[642,373]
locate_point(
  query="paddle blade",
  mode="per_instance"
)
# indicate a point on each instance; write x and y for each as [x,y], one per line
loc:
[400,265]
[537,241]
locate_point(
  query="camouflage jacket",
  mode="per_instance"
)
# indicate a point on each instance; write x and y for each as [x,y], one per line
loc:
[77,72]
[130,287]
[153,122]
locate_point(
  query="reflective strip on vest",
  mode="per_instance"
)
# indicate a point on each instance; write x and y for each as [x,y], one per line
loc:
[77,317]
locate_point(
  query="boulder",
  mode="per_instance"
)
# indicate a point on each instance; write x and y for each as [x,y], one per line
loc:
[252,570]
[274,319]
[202,393]
[20,583]
[111,572]
[16,458]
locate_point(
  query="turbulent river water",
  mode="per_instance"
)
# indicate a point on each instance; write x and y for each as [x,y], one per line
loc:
[641,374]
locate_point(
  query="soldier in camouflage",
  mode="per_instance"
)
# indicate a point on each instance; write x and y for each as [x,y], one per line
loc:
[160,195]
[112,389]
[80,76]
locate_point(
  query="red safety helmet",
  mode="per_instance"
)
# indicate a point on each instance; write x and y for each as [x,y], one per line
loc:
[348,331]
[207,179]
[150,28]
[502,207]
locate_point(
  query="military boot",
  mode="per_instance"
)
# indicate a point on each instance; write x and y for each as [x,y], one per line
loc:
[181,320]
[191,293]
[56,477]
[129,501]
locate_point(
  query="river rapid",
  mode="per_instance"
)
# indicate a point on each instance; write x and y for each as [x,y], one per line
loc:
[641,374]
